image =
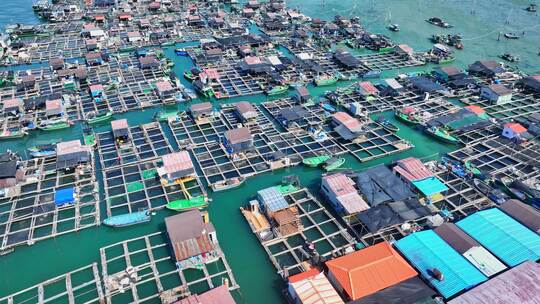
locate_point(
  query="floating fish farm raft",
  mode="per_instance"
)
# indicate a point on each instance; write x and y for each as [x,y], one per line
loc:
[160,105]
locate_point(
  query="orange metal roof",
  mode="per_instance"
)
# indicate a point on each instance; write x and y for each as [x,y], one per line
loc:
[304,275]
[516,127]
[369,270]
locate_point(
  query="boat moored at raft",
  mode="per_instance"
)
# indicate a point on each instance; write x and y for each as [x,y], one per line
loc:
[407,115]
[315,161]
[128,219]
[441,134]
[196,202]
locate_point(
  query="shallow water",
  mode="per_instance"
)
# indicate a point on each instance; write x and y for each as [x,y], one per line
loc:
[252,268]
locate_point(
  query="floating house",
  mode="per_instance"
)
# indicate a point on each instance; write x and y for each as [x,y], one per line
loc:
[56,63]
[346,126]
[368,271]
[134,36]
[164,89]
[378,185]
[426,85]
[393,87]
[120,131]
[470,249]
[486,68]
[367,88]
[13,106]
[449,73]
[71,154]
[520,284]
[340,191]
[346,59]
[523,213]
[285,218]
[505,237]
[148,62]
[53,107]
[496,93]
[443,267]
[237,141]
[201,112]
[531,84]
[312,287]
[293,116]
[414,172]
[193,240]
[395,214]
[302,94]
[411,291]
[245,111]
[515,131]
[217,295]
[27,82]
[93,59]
[176,166]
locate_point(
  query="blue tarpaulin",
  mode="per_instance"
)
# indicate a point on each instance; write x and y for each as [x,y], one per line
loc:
[429,186]
[64,196]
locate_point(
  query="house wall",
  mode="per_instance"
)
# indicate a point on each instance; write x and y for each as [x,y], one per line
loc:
[494,97]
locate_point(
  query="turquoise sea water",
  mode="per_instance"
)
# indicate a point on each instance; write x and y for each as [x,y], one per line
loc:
[252,268]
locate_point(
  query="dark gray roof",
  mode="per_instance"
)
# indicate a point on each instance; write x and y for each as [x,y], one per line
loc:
[379,184]
[409,291]
[238,135]
[523,213]
[455,237]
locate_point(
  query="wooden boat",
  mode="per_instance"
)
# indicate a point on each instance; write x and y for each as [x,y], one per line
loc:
[511,36]
[128,219]
[509,57]
[42,150]
[385,123]
[192,74]
[164,116]
[441,135]
[506,184]
[277,90]
[407,115]
[493,194]
[533,193]
[445,60]
[532,8]
[181,52]
[472,169]
[197,202]
[372,74]
[394,27]
[289,184]
[228,184]
[315,160]
[54,125]
[100,117]
[439,22]
[326,80]
[11,134]
[333,163]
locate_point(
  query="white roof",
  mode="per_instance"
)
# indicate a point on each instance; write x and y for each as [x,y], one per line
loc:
[316,290]
[353,203]
[484,260]
[274,60]
[305,56]
[97,33]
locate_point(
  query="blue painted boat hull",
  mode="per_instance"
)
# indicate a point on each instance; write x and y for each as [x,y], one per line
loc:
[128,219]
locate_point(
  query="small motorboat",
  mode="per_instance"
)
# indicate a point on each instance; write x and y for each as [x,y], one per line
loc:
[439,22]
[315,161]
[394,27]
[333,163]
[509,57]
[277,90]
[97,117]
[511,36]
[385,123]
[180,52]
[128,219]
[196,202]
[531,8]
[326,80]
[495,195]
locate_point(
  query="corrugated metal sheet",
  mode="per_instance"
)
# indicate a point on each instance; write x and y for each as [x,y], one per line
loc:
[412,169]
[518,285]
[426,251]
[509,240]
[484,260]
[316,289]
[272,199]
[525,214]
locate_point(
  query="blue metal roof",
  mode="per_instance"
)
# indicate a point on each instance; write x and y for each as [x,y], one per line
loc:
[512,242]
[426,250]
[272,199]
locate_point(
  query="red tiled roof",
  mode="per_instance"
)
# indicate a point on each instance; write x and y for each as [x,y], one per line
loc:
[176,162]
[412,169]
[349,122]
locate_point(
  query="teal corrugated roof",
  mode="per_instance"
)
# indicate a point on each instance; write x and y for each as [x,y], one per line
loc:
[512,242]
[429,186]
[426,250]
